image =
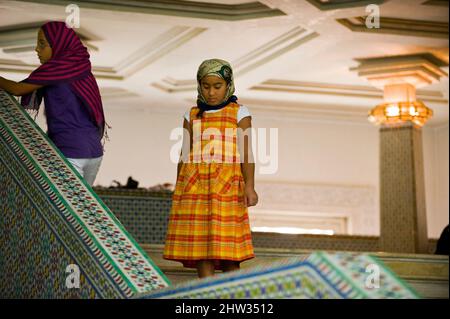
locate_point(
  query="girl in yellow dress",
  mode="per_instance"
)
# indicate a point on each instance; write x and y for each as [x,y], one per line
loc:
[208,224]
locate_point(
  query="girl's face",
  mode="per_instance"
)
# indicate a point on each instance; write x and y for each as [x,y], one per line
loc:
[43,48]
[213,89]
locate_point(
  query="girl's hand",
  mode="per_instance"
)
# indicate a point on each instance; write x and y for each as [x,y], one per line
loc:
[250,197]
[17,88]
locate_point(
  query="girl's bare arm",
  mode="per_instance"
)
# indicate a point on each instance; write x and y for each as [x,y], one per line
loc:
[18,88]
[247,160]
[187,142]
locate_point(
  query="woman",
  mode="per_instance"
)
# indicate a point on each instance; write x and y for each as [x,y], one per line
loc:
[73,106]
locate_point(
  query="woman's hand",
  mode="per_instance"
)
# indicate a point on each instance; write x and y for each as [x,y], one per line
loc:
[250,197]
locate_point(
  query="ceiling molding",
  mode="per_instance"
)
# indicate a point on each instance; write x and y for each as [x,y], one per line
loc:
[339,90]
[325,5]
[178,8]
[19,40]
[440,3]
[272,50]
[406,27]
[16,66]
[419,69]
[265,53]
[156,49]
[307,111]
[171,85]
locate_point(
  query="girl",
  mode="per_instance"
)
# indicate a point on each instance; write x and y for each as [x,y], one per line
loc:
[208,224]
[73,106]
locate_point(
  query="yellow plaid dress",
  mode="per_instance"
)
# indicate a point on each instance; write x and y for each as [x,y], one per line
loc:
[208,219]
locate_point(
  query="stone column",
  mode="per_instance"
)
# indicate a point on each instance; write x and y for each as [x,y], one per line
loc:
[402,187]
[402,190]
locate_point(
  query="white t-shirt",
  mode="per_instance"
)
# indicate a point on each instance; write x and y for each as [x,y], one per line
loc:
[242,112]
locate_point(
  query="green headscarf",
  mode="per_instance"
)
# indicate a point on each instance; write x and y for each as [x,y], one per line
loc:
[219,68]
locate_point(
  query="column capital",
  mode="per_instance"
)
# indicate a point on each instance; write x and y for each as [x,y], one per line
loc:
[419,69]
[399,76]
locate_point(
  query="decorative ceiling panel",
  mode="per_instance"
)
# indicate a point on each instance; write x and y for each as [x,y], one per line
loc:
[250,61]
[408,27]
[342,4]
[191,9]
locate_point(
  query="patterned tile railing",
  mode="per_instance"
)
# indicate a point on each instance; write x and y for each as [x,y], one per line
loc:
[320,275]
[52,219]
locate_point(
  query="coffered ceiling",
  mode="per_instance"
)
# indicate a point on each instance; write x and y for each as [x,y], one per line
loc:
[294,58]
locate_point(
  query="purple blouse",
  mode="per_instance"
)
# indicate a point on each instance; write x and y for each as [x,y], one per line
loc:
[70,125]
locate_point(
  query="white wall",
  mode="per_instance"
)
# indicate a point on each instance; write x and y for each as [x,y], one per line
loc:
[334,163]
[435,142]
